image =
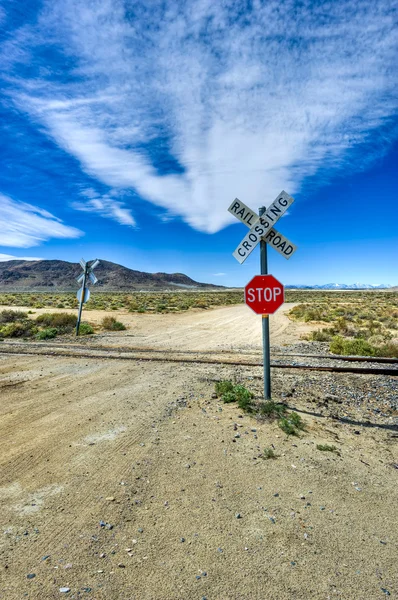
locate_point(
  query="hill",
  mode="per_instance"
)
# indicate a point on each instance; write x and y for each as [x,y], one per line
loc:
[52,275]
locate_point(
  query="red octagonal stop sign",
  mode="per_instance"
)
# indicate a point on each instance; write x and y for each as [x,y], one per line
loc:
[264,294]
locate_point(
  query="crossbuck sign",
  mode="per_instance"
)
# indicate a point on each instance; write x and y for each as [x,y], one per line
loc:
[261,228]
[270,292]
[83,294]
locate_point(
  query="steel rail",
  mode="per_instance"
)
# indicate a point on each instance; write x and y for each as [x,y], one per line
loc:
[351,358]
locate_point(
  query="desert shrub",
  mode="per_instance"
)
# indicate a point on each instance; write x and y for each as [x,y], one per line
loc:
[10,316]
[321,335]
[63,322]
[287,426]
[326,448]
[224,386]
[296,420]
[111,324]
[291,424]
[268,453]
[201,304]
[361,347]
[390,349]
[391,323]
[376,340]
[243,397]
[272,409]
[133,306]
[363,333]
[18,329]
[358,347]
[161,307]
[47,334]
[85,329]
[306,312]
[235,393]
[228,397]
[341,326]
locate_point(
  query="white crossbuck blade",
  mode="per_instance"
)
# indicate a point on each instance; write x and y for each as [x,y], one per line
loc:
[82,263]
[95,264]
[262,227]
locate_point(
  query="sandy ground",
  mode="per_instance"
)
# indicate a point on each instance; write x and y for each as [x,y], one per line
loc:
[130,481]
[232,327]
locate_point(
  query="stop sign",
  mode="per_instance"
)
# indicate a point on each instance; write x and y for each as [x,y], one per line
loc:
[264,294]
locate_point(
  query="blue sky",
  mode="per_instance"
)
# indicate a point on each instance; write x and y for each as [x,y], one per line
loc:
[127,129]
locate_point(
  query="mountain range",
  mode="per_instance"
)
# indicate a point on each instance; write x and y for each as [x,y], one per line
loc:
[59,275]
[341,286]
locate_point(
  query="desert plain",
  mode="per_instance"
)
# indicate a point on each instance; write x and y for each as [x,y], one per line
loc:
[128,478]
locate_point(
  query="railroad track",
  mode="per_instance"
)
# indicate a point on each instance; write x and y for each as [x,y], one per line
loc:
[226,357]
[243,352]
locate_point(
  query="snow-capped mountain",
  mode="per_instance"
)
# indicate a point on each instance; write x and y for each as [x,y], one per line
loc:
[342,286]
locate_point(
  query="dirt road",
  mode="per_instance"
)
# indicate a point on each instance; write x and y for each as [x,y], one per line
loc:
[232,327]
[129,481]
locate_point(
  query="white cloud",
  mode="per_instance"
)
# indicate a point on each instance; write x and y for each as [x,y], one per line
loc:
[248,103]
[23,225]
[7,257]
[218,274]
[106,206]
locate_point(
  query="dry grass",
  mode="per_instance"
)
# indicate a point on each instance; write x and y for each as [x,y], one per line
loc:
[159,302]
[363,323]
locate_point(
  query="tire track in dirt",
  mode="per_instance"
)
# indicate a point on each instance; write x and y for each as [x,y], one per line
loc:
[105,463]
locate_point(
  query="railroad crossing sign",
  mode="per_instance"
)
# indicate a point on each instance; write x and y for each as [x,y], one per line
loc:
[261,227]
[264,294]
[83,294]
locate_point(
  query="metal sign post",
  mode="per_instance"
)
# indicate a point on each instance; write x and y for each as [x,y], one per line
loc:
[83,294]
[79,316]
[262,231]
[265,321]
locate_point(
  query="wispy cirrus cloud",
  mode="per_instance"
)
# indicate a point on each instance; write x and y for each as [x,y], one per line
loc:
[191,105]
[106,206]
[23,225]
